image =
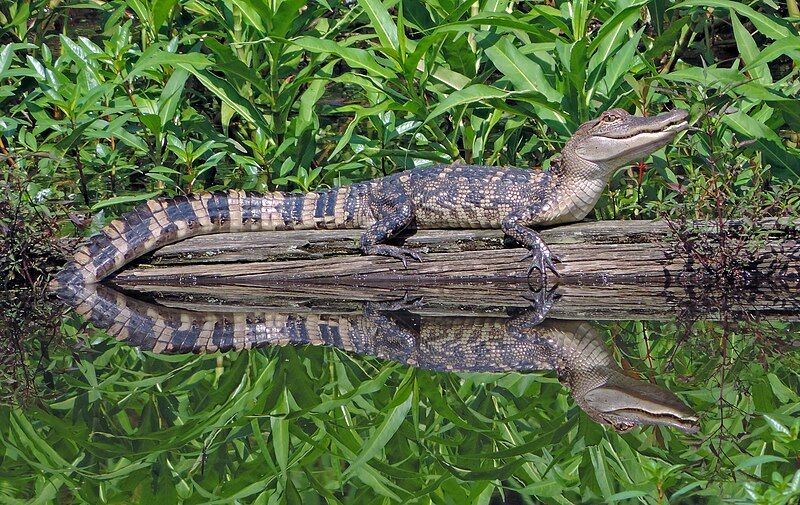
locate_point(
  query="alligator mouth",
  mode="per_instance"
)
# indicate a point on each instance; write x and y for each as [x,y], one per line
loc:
[670,122]
[687,423]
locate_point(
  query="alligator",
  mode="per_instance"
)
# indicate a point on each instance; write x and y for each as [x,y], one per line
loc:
[442,196]
[398,331]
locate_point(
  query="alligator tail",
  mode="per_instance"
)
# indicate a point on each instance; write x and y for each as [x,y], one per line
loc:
[177,331]
[157,223]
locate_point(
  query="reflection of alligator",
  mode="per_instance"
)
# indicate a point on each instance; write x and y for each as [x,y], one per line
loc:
[444,196]
[466,344]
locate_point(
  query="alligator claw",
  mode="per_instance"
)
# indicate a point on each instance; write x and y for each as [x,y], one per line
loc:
[542,300]
[400,253]
[542,259]
[405,303]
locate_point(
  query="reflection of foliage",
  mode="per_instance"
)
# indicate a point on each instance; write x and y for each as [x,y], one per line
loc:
[312,422]
[745,385]
[28,327]
[29,252]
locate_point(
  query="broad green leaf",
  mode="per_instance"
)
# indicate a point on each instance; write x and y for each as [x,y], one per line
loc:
[524,73]
[789,46]
[253,12]
[154,57]
[385,431]
[768,140]
[620,64]
[228,94]
[626,495]
[612,34]
[749,51]
[759,460]
[381,22]
[286,14]
[470,94]
[116,200]
[161,10]
[6,55]
[228,62]
[767,25]
[74,136]
[171,95]
[356,58]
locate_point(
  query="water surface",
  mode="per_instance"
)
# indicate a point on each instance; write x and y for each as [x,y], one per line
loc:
[352,400]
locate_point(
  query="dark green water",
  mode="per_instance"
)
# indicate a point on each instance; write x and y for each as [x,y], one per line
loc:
[431,405]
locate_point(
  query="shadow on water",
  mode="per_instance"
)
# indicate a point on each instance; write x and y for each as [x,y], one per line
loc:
[404,397]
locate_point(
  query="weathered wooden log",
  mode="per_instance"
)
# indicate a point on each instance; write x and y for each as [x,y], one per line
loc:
[608,302]
[610,270]
[592,253]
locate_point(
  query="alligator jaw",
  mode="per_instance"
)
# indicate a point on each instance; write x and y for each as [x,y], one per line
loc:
[624,402]
[624,138]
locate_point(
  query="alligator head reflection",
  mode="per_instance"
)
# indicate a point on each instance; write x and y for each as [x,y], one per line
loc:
[456,344]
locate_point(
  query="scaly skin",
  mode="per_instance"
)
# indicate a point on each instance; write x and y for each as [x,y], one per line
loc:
[443,196]
[394,332]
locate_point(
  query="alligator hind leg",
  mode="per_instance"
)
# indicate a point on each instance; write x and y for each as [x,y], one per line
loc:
[514,226]
[392,222]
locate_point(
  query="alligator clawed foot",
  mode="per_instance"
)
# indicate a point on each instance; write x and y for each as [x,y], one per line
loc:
[400,253]
[405,303]
[543,296]
[542,300]
[543,260]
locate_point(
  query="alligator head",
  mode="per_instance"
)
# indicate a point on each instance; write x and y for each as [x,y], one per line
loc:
[616,138]
[623,402]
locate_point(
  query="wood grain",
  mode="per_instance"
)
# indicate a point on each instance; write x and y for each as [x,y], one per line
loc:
[609,270]
[592,253]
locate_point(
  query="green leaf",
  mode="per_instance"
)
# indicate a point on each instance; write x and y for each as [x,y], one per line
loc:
[768,140]
[612,33]
[152,122]
[767,25]
[171,95]
[620,64]
[749,51]
[6,54]
[154,57]
[255,12]
[161,10]
[138,197]
[286,14]
[626,495]
[470,94]
[789,46]
[759,460]
[524,73]
[356,58]
[67,142]
[386,430]
[228,94]
[781,391]
[228,62]
[381,22]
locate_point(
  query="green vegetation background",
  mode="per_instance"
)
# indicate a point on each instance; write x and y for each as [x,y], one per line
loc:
[103,104]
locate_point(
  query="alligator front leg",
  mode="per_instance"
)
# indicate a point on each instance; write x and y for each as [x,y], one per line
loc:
[515,225]
[389,224]
[394,338]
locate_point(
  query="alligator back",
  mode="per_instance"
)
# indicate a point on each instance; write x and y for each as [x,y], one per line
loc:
[164,221]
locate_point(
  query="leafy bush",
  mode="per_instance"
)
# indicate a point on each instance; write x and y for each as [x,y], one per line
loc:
[165,97]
